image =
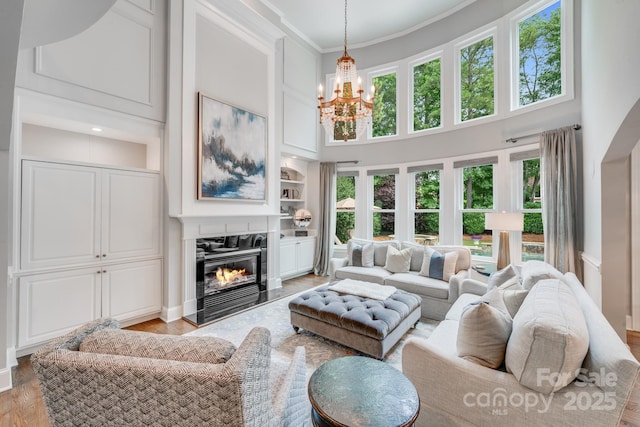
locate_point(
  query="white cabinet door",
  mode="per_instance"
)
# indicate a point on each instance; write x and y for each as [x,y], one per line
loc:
[55,303]
[74,215]
[306,252]
[132,289]
[288,258]
[60,215]
[130,214]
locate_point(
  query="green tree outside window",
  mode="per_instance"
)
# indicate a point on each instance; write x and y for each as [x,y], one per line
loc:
[477,80]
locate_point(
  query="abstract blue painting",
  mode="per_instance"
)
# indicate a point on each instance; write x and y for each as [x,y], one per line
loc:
[232,152]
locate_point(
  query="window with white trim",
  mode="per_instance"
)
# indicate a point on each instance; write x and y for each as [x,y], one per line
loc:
[528,200]
[476,79]
[476,177]
[383,207]
[537,35]
[385,105]
[345,206]
[427,95]
[426,203]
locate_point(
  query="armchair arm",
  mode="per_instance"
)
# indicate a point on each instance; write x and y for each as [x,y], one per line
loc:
[289,392]
[454,284]
[334,264]
[472,286]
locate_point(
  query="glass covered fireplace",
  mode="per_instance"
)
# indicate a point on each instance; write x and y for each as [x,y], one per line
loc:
[230,275]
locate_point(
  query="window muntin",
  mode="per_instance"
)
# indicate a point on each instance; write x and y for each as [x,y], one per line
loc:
[345,207]
[426,213]
[477,80]
[427,102]
[384,206]
[384,118]
[477,199]
[539,41]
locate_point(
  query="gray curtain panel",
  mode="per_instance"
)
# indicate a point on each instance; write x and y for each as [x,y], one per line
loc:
[326,222]
[560,199]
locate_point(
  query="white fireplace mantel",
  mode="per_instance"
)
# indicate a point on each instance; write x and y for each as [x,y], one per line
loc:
[195,227]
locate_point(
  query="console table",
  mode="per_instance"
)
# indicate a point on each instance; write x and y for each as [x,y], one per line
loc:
[360,391]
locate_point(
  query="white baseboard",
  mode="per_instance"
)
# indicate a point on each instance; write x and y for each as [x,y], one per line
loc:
[169,314]
[5,379]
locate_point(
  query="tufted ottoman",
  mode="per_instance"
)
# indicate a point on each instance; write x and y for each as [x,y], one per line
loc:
[370,326]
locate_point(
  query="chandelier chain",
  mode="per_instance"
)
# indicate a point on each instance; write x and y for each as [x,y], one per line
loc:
[345,27]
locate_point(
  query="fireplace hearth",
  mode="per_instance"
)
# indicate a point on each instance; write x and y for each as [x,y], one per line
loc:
[230,276]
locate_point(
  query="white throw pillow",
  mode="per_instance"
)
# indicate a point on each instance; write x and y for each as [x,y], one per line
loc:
[483,333]
[398,261]
[508,297]
[499,277]
[550,338]
[437,265]
[360,255]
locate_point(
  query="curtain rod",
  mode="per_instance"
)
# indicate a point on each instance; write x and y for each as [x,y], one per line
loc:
[355,162]
[515,139]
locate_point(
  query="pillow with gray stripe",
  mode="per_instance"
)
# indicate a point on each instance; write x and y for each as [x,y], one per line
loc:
[437,265]
[360,255]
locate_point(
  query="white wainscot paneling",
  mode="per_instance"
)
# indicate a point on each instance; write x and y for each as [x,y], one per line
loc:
[300,119]
[147,5]
[102,59]
[299,69]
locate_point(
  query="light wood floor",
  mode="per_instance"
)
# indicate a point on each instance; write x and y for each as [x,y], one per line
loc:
[22,406]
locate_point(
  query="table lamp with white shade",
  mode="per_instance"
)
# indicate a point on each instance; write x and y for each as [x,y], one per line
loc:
[504,222]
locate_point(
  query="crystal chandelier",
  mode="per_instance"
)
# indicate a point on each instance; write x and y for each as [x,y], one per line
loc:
[347,115]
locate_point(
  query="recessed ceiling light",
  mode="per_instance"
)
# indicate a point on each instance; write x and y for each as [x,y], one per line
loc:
[96,129]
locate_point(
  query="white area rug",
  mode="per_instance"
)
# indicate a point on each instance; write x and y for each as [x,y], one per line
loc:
[275,317]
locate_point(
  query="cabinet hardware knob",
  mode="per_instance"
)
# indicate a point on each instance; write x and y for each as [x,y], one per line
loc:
[97,256]
[104,255]
[104,271]
[98,271]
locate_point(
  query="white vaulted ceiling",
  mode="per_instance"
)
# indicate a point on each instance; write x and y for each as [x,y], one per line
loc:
[321,22]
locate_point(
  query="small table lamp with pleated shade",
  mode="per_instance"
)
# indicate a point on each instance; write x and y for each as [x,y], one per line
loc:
[504,222]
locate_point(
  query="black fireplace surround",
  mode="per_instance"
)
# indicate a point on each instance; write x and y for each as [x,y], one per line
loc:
[231,275]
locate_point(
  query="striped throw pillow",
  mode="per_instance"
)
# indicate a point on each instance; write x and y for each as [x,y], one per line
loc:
[437,265]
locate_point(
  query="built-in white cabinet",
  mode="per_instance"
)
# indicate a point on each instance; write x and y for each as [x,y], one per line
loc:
[90,247]
[51,304]
[296,256]
[74,214]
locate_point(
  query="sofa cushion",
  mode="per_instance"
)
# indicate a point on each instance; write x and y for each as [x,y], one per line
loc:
[483,333]
[437,265]
[374,274]
[509,296]
[360,255]
[416,255]
[550,338]
[379,249]
[398,261]
[444,337]
[534,271]
[124,342]
[499,277]
[414,283]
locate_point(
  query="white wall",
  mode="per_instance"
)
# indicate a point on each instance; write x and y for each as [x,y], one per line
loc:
[611,89]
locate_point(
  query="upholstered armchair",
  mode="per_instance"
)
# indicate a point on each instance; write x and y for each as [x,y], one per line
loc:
[101,375]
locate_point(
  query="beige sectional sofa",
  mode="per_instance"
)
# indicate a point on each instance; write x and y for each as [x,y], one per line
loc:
[437,295]
[556,333]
